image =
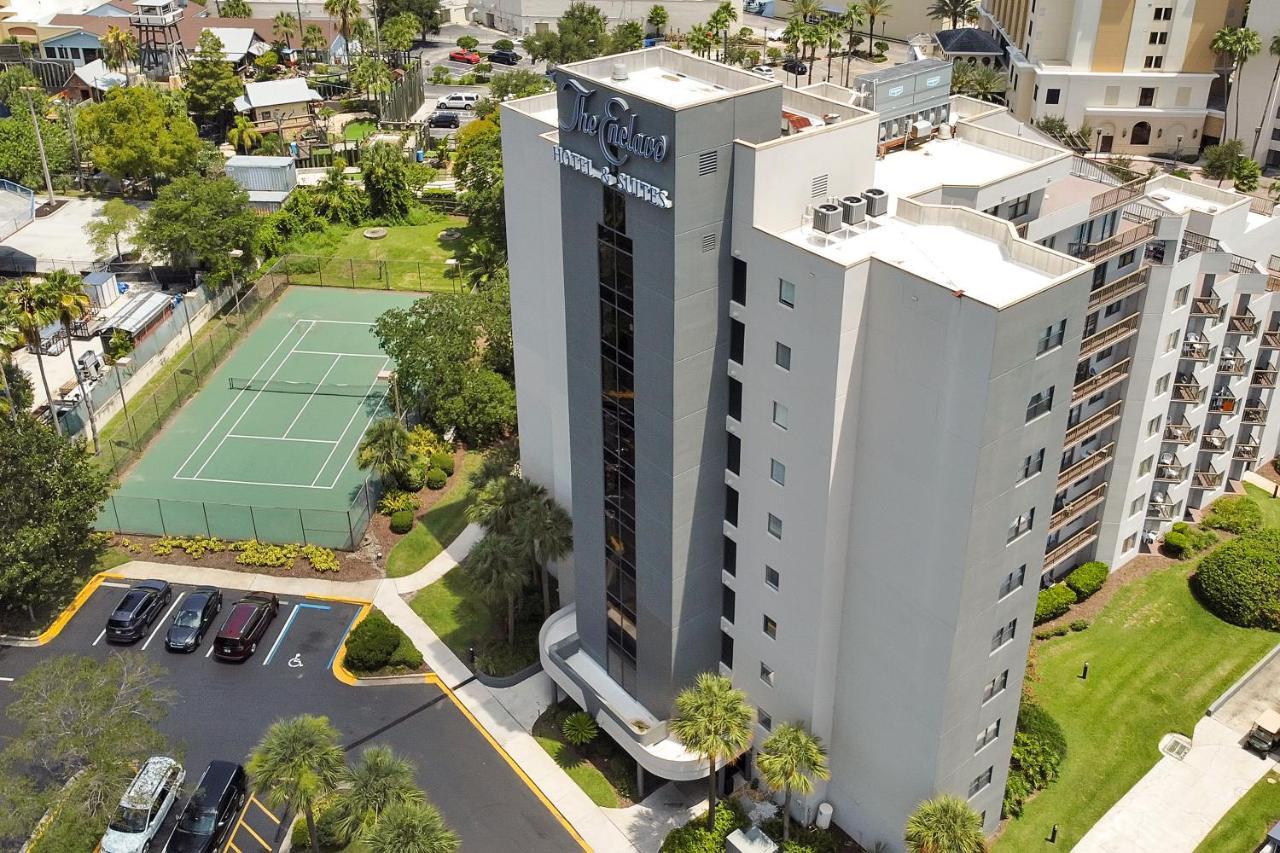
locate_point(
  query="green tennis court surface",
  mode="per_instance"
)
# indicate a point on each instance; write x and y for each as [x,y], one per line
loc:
[267,449]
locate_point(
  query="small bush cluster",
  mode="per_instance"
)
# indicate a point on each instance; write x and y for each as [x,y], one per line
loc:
[376,644]
[1087,579]
[1053,602]
[402,521]
[1234,515]
[803,839]
[1240,582]
[444,462]
[396,500]
[194,547]
[412,479]
[1079,624]
[1184,540]
[1039,747]
[696,837]
[436,479]
[249,552]
[321,559]
[579,728]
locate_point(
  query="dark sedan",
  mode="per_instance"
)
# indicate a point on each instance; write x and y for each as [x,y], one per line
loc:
[444,118]
[505,57]
[211,812]
[794,66]
[248,621]
[139,608]
[192,619]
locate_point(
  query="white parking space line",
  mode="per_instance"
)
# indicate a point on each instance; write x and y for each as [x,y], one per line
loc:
[206,654]
[100,636]
[283,631]
[115,584]
[163,621]
[3,678]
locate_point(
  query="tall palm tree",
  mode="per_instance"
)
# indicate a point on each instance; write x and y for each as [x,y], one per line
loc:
[384,448]
[297,762]
[829,29]
[874,9]
[720,21]
[344,12]
[313,41]
[244,135]
[284,26]
[66,292]
[850,20]
[415,828]
[793,35]
[545,530]
[713,719]
[811,38]
[657,18]
[10,340]
[118,48]
[945,824]
[500,501]
[1274,50]
[31,306]
[1238,44]
[701,39]
[498,568]
[379,780]
[789,760]
[806,9]
[953,9]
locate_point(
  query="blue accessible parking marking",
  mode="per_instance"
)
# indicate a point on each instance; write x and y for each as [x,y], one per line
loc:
[289,624]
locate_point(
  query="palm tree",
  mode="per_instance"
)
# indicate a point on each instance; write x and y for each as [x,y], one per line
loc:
[793,34]
[417,828]
[545,529]
[496,565]
[789,760]
[297,762]
[829,29]
[849,22]
[371,76]
[384,448]
[379,780]
[945,824]
[284,26]
[243,135]
[806,9]
[485,259]
[313,41]
[1238,44]
[344,11]
[118,48]
[33,309]
[875,9]
[720,21]
[236,9]
[701,39]
[498,502]
[71,303]
[713,719]
[811,38]
[10,340]
[1274,50]
[657,18]
[953,9]
[979,81]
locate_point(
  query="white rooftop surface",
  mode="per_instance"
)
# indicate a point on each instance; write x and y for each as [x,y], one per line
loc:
[666,87]
[1178,202]
[943,161]
[40,11]
[951,257]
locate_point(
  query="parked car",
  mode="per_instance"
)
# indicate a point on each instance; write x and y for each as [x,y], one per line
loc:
[763,71]
[470,57]
[444,118]
[192,619]
[248,621]
[207,818]
[144,806]
[134,614]
[794,66]
[505,57]
[458,101]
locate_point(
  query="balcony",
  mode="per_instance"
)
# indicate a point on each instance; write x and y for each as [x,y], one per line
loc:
[1180,433]
[1206,479]
[1195,350]
[1075,508]
[1054,557]
[1243,324]
[1273,273]
[1187,390]
[1224,403]
[1215,441]
[1093,424]
[1206,306]
[1172,473]
[1115,195]
[1233,365]
[1111,335]
[1264,377]
[1121,287]
[1091,385]
[1103,249]
[1087,465]
[1255,412]
[1246,449]
[1270,340]
[1163,510]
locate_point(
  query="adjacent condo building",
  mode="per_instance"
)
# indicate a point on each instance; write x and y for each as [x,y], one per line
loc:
[831,392]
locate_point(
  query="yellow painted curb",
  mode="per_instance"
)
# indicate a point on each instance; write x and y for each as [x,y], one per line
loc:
[71,609]
[340,672]
[359,602]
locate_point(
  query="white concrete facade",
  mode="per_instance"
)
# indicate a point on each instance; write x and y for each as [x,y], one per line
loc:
[522,17]
[1257,94]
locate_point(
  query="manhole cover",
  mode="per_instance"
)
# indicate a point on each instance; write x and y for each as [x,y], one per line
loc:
[450,234]
[375,233]
[1175,745]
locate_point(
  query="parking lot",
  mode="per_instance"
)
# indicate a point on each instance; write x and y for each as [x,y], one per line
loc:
[222,709]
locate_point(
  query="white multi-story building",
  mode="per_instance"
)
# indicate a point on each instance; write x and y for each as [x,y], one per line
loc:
[522,17]
[1258,92]
[828,408]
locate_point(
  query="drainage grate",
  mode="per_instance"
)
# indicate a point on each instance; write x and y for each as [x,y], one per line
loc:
[1175,745]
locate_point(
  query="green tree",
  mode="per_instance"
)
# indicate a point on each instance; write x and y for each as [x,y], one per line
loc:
[978,81]
[211,83]
[518,83]
[117,219]
[701,40]
[313,42]
[582,33]
[344,12]
[626,36]
[31,305]
[1246,175]
[120,47]
[545,530]
[338,200]
[52,491]
[500,500]
[477,168]
[426,11]
[657,19]
[945,824]
[384,448]
[713,719]
[12,82]
[298,762]
[198,222]
[244,135]
[720,21]
[15,398]
[399,33]
[386,181]
[849,21]
[484,262]
[1220,160]
[432,343]
[875,9]
[235,9]
[72,303]
[483,410]
[283,27]
[19,154]
[467,42]
[789,760]
[1237,44]
[371,76]
[416,828]
[812,37]
[379,780]
[955,10]
[267,66]
[132,133]
[498,569]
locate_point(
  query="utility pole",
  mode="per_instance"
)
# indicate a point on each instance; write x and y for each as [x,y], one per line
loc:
[75,142]
[35,123]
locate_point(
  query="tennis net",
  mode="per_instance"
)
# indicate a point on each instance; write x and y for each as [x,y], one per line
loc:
[324,389]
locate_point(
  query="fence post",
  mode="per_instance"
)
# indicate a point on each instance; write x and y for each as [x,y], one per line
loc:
[320,269]
[207,530]
[351,534]
[386,273]
[253,522]
[160,512]
[155,404]
[115,510]
[351,271]
[285,260]
[302,525]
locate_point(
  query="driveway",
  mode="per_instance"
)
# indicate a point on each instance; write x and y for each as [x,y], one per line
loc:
[58,240]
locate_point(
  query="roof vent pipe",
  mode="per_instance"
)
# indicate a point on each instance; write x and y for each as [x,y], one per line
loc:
[620,71]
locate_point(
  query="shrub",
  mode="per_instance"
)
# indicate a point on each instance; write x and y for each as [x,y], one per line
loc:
[1079,624]
[301,265]
[1184,540]
[396,500]
[1234,515]
[443,461]
[424,444]
[1087,579]
[371,644]
[803,839]
[402,521]
[413,478]
[1053,602]
[406,654]
[696,837]
[255,553]
[1039,747]
[436,479]
[321,558]
[579,728]
[331,837]
[1240,582]
[1177,545]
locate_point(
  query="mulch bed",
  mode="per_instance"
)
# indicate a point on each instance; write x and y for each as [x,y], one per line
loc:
[380,526]
[1136,569]
[355,566]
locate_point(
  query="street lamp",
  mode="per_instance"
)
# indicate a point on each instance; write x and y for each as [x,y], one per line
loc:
[1177,151]
[236,255]
[1097,142]
[120,364]
[44,161]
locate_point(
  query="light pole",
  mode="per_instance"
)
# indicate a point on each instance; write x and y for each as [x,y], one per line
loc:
[1097,142]
[236,255]
[120,364]
[1177,151]
[44,161]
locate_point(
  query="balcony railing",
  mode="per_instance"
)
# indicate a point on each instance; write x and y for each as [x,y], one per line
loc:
[1243,324]
[1111,335]
[1087,465]
[1273,273]
[1233,365]
[1162,510]
[1270,340]
[1255,412]
[1075,508]
[1094,423]
[1172,473]
[1181,433]
[1054,556]
[1121,287]
[1263,206]
[1098,382]
[1224,404]
[1196,350]
[1112,245]
[1205,306]
[1264,377]
[1194,243]
[1214,441]
[1206,479]
[1113,197]
[1188,391]
[1246,450]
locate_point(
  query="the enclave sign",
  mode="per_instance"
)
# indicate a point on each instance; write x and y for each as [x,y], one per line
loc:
[615,130]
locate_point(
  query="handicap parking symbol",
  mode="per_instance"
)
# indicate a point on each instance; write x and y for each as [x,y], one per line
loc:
[296,661]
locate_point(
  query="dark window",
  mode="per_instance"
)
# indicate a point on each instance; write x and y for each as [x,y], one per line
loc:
[1032,465]
[726,649]
[737,340]
[1020,207]
[731,505]
[1021,524]
[1013,581]
[771,577]
[730,556]
[1051,337]
[1099,275]
[728,603]
[1040,403]
[782,355]
[1052,96]
[1146,97]
[739,281]
[735,399]
[1127,258]
[734,463]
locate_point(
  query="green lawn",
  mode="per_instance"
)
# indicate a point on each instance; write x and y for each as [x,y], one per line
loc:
[587,777]
[409,257]
[1157,659]
[111,558]
[355,131]
[1269,505]
[454,613]
[601,768]
[439,526]
[1244,827]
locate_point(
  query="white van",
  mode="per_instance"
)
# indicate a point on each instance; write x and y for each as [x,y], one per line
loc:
[144,806]
[459,101]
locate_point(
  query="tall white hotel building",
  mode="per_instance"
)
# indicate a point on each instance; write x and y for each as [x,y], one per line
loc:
[828,409]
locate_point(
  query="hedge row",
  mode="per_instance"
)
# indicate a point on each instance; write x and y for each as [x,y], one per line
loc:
[1082,582]
[1039,747]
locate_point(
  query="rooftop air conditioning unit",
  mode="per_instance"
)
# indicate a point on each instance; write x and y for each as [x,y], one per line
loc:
[877,201]
[826,217]
[853,209]
[944,131]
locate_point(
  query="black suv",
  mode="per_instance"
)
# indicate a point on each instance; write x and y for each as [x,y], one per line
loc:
[794,66]
[211,811]
[444,118]
[192,619]
[134,614]
[505,57]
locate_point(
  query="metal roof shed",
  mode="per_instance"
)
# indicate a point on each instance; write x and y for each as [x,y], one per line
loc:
[142,314]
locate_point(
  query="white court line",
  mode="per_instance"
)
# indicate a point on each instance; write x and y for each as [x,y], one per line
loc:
[236,400]
[277,438]
[340,354]
[114,584]
[283,631]
[256,395]
[346,322]
[2,678]
[354,447]
[311,396]
[100,636]
[251,483]
[350,421]
[163,621]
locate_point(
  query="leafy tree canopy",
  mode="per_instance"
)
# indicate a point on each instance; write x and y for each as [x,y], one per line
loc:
[134,133]
[211,83]
[198,222]
[19,154]
[477,167]
[386,182]
[426,11]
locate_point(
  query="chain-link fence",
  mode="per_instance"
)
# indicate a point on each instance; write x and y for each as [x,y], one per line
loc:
[364,274]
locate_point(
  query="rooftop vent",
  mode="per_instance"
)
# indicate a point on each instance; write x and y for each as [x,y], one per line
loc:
[877,201]
[826,218]
[620,71]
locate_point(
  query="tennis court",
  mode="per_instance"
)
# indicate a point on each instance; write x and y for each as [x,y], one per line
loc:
[266,450]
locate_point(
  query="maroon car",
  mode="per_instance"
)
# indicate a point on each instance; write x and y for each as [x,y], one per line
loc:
[246,624]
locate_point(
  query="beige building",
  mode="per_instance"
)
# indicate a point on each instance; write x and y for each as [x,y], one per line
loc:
[1142,76]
